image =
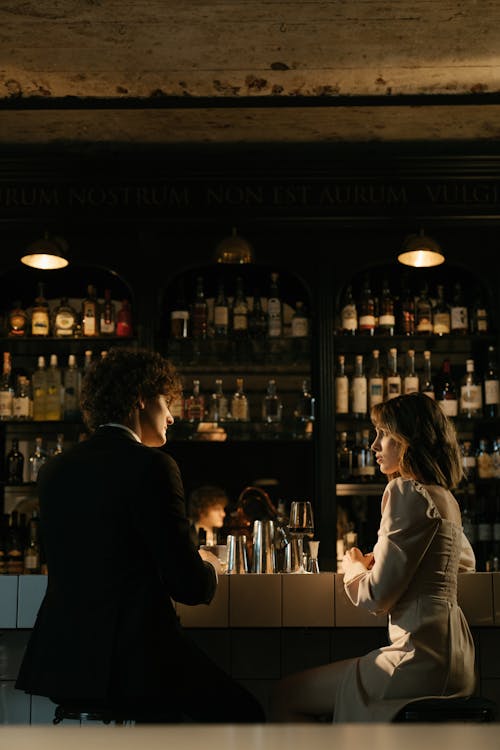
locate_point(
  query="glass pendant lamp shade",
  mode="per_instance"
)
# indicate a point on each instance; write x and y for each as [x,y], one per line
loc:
[47,254]
[421,251]
[234,249]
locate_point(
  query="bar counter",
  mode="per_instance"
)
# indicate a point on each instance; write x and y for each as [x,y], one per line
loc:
[258,628]
[261,737]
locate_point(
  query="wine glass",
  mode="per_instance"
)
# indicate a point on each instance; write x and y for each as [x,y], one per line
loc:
[300,525]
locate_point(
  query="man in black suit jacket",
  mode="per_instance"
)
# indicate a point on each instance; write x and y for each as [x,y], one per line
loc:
[118,549]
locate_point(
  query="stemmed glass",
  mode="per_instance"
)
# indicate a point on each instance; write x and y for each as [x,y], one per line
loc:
[300,525]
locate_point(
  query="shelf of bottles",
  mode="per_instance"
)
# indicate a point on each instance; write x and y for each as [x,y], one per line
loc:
[428,337]
[244,355]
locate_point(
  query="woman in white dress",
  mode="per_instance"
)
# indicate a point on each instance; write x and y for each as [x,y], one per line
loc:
[411,575]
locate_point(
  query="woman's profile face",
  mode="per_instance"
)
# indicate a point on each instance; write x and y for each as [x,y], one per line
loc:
[387,452]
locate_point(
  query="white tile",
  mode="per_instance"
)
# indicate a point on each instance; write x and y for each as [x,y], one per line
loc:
[255,601]
[31,592]
[213,615]
[14,704]
[8,598]
[475,596]
[308,600]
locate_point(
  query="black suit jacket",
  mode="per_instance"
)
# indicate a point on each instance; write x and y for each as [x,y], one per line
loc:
[118,546]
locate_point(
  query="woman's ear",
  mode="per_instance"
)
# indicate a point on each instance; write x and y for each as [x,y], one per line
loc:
[141,404]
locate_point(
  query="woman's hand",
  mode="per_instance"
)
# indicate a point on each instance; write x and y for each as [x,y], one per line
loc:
[355,555]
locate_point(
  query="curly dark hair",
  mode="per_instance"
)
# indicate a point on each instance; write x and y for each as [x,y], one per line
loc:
[113,385]
[205,497]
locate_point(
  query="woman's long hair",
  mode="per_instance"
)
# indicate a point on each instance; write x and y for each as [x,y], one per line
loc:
[429,447]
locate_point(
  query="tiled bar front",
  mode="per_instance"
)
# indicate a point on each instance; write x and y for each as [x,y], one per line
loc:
[258,628]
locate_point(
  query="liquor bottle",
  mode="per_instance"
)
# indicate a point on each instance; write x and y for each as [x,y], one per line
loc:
[272,406]
[199,312]
[366,309]
[39,380]
[274,309]
[484,460]
[406,310]
[218,409]
[87,359]
[53,401]
[15,464]
[479,315]
[375,381]
[40,317]
[300,322]
[458,312]
[469,464]
[427,386]
[176,407]
[471,397]
[6,389]
[64,320]
[365,459]
[239,312]
[107,323]
[32,550]
[359,389]
[393,379]
[423,313]
[17,321]
[221,313]
[344,459]
[387,319]
[179,316]
[495,458]
[194,407]
[441,319]
[491,385]
[341,387]
[124,327]
[348,314]
[22,403]
[90,313]
[71,390]
[446,392]
[257,318]
[410,381]
[239,403]
[14,546]
[37,459]
[304,412]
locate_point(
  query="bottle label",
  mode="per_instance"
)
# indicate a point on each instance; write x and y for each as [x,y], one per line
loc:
[366,322]
[441,324]
[393,386]
[376,391]
[89,325]
[449,406]
[459,319]
[274,328]
[424,325]
[471,398]
[349,318]
[39,323]
[469,462]
[107,326]
[342,395]
[240,321]
[21,407]
[481,320]
[491,392]
[221,315]
[388,321]
[179,315]
[63,324]
[300,327]
[359,396]
[6,400]
[239,409]
[411,384]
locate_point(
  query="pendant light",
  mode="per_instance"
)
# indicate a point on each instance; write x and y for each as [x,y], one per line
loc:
[46,254]
[421,251]
[234,249]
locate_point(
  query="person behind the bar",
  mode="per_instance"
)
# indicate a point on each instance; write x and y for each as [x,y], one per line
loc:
[411,575]
[207,510]
[118,550]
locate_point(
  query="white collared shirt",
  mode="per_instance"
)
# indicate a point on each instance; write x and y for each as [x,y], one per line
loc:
[123,427]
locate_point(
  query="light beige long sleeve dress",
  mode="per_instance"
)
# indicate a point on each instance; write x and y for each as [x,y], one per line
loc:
[418,556]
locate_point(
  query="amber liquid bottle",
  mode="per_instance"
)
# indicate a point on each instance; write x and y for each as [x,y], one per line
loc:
[90,314]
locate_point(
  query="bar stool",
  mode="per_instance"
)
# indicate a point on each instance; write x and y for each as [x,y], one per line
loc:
[472,709]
